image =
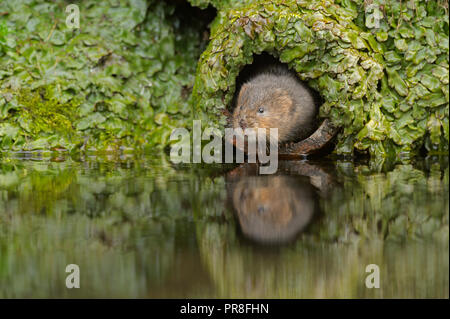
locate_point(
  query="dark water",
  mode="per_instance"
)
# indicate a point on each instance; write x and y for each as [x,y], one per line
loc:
[142,227]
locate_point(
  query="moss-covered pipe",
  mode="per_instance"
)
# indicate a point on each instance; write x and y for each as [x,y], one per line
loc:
[381,66]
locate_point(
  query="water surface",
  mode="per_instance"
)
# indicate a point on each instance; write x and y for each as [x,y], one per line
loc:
[140,227]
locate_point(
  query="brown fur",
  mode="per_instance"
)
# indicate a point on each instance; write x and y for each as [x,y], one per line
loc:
[272,208]
[287,103]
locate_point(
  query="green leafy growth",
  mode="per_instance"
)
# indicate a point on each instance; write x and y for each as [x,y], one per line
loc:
[122,80]
[381,66]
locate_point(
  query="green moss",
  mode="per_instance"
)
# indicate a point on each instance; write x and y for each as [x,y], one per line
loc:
[40,112]
[121,81]
[381,66]
[383,74]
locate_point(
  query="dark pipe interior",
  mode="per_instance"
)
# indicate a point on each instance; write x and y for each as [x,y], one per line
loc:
[260,61]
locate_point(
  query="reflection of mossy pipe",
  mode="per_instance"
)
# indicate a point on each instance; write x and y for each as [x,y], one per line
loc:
[382,68]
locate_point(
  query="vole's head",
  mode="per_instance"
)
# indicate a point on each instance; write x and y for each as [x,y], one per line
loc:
[265,106]
[272,208]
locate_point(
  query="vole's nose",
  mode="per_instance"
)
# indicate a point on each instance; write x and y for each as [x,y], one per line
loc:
[242,123]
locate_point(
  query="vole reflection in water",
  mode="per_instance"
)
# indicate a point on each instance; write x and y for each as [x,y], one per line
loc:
[272,209]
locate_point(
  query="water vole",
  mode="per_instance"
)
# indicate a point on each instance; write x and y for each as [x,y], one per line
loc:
[272,209]
[275,98]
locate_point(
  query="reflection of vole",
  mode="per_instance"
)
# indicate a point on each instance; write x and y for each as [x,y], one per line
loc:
[272,209]
[275,98]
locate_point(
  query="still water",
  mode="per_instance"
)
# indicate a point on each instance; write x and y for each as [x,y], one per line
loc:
[141,227]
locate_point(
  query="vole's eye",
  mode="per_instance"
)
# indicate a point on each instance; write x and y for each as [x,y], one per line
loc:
[261,110]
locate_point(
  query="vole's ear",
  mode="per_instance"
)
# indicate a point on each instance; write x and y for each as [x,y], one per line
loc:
[284,101]
[281,92]
[243,90]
